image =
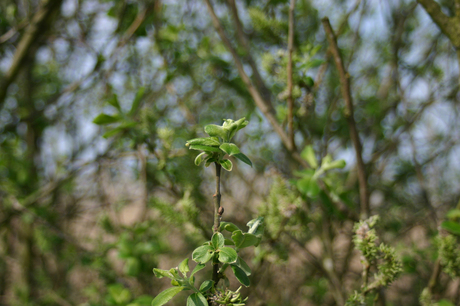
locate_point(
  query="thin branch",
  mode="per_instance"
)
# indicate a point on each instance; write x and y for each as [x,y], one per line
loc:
[265,106]
[39,24]
[243,41]
[218,211]
[11,32]
[457,9]
[143,179]
[346,93]
[289,75]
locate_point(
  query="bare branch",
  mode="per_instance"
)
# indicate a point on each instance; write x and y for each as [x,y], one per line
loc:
[346,93]
[289,75]
[243,41]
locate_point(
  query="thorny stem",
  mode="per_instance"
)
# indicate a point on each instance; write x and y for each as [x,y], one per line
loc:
[217,216]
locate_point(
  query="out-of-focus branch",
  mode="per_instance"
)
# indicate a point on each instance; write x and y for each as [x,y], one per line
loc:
[243,41]
[448,25]
[457,9]
[39,24]
[265,106]
[5,37]
[346,93]
[289,75]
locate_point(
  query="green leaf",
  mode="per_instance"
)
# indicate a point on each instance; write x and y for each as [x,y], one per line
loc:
[208,141]
[210,160]
[216,131]
[240,275]
[308,186]
[217,240]
[227,255]
[233,126]
[226,164]
[162,273]
[137,101]
[204,148]
[340,163]
[243,266]
[256,226]
[229,242]
[183,267]
[113,132]
[453,214]
[166,295]
[196,299]
[106,119]
[309,156]
[451,226]
[228,226]
[114,102]
[244,240]
[199,158]
[203,254]
[229,148]
[197,268]
[206,285]
[243,158]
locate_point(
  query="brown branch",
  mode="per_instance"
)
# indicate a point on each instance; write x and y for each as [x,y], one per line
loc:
[448,25]
[38,25]
[243,41]
[346,93]
[143,179]
[264,106]
[218,211]
[289,75]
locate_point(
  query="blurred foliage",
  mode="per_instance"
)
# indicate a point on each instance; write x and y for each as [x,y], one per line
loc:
[86,212]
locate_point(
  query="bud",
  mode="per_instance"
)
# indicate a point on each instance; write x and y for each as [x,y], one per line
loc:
[220,211]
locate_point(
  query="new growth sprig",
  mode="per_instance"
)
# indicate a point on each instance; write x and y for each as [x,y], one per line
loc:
[220,251]
[218,144]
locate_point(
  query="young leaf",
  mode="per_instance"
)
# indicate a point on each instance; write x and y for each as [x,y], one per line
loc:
[227,255]
[243,158]
[451,226]
[217,240]
[114,102]
[226,164]
[229,242]
[196,299]
[228,226]
[199,158]
[162,273]
[340,163]
[256,226]
[206,285]
[204,148]
[166,295]
[137,101]
[243,266]
[244,240]
[240,275]
[216,131]
[203,254]
[197,268]
[208,141]
[309,156]
[183,267]
[106,119]
[229,148]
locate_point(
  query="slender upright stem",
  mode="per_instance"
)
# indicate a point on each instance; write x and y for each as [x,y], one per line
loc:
[217,216]
[217,197]
[289,75]
[346,93]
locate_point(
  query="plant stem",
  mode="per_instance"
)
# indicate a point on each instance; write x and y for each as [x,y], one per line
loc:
[217,196]
[289,75]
